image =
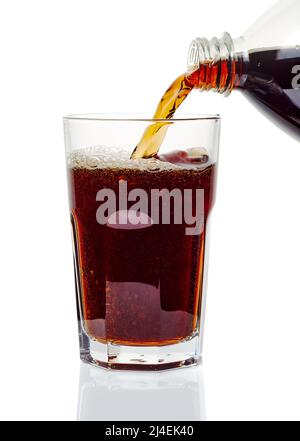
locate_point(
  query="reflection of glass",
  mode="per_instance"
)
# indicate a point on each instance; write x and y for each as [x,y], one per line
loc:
[176,395]
[140,239]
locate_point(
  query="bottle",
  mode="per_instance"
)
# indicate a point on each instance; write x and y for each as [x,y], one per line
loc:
[264,64]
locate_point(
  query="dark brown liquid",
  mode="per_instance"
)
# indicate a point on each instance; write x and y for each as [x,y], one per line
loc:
[144,286]
[138,286]
[273,85]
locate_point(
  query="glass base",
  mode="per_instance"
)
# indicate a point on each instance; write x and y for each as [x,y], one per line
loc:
[141,358]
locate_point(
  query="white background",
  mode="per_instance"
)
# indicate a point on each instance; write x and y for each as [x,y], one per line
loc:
[69,56]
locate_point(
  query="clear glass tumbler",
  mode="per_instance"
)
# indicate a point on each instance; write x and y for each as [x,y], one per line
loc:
[140,236]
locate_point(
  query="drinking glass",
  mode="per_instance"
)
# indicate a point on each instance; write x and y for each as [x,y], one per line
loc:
[140,237]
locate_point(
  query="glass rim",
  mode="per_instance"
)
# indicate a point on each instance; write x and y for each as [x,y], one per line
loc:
[135,117]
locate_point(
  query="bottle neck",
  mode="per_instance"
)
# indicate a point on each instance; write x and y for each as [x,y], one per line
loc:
[215,64]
